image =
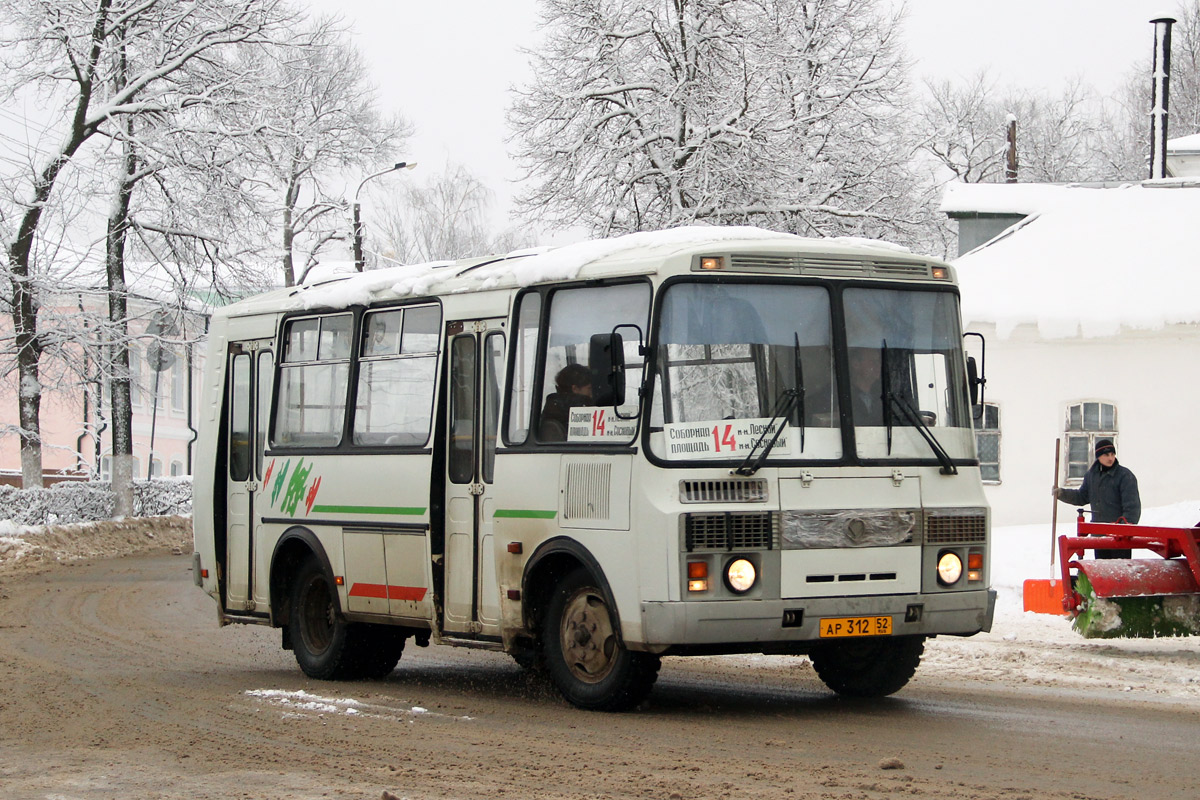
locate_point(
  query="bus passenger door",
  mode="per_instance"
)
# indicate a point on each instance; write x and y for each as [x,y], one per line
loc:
[476,350]
[247,395]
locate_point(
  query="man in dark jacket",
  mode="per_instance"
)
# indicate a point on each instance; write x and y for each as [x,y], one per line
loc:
[1112,491]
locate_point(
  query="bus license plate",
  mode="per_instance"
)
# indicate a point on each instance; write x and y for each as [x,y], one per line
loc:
[838,627]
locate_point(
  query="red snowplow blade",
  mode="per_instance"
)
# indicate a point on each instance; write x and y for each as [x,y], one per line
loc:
[1139,577]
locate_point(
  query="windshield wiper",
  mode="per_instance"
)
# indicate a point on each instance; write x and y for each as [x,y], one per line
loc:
[908,412]
[885,383]
[783,406]
[799,387]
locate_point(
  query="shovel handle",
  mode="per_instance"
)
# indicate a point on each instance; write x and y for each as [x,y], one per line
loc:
[1054,510]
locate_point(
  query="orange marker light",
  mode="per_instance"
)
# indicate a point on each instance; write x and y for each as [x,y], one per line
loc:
[712,262]
[697,576]
[975,561]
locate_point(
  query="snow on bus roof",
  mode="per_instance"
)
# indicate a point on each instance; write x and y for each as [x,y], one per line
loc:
[535,265]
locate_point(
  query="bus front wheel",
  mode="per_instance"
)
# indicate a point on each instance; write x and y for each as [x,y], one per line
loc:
[583,654]
[869,667]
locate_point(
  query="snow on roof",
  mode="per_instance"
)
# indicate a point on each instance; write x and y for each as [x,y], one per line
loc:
[1001,198]
[1184,144]
[527,267]
[1087,261]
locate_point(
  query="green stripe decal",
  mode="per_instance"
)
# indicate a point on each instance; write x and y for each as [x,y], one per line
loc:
[524,513]
[396,511]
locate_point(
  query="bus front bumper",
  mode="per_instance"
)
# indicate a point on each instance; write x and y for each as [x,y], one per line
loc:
[743,625]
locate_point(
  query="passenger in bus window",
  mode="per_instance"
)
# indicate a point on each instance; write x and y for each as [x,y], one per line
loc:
[866,386]
[573,387]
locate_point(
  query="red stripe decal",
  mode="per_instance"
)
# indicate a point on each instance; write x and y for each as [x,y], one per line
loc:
[383,592]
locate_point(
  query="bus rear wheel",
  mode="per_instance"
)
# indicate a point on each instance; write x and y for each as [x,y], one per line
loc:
[327,647]
[868,667]
[583,653]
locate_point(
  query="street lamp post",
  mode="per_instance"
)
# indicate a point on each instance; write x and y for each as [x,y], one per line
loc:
[357,220]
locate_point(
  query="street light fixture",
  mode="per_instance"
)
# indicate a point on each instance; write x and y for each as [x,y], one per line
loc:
[357,221]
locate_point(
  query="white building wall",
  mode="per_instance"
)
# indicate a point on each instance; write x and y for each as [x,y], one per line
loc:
[1152,377]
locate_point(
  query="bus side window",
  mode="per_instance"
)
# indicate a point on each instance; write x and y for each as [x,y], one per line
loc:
[311,405]
[572,407]
[397,367]
[524,345]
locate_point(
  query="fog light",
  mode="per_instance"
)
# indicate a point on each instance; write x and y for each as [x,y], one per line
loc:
[949,568]
[974,576]
[740,575]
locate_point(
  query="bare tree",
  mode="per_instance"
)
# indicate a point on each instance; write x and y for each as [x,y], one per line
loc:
[445,217]
[782,113]
[314,117]
[964,128]
[102,65]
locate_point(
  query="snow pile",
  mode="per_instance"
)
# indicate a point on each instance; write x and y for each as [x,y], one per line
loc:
[86,501]
[298,703]
[27,549]
[1085,261]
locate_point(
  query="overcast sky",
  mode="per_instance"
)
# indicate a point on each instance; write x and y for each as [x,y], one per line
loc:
[447,66]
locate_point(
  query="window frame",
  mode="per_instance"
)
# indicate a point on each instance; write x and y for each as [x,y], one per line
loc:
[1090,435]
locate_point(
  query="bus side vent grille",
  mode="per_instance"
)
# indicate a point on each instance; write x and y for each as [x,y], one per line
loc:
[731,531]
[955,528]
[589,487]
[723,491]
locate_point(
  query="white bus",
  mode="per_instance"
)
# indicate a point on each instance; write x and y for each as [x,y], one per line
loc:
[691,442]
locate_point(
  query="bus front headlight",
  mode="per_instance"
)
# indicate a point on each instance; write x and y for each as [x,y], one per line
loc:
[740,575]
[949,568]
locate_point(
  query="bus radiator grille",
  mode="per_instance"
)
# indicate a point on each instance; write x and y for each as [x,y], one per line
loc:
[731,531]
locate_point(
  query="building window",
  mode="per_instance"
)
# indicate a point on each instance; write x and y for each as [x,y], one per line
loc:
[179,383]
[987,441]
[1086,422]
[176,469]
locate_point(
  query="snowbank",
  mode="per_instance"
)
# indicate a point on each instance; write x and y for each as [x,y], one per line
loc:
[89,501]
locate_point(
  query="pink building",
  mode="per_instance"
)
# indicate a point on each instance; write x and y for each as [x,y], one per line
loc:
[75,409]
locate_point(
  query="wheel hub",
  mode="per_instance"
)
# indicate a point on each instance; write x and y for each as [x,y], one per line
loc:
[589,640]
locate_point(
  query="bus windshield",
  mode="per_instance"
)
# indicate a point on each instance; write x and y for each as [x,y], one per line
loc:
[731,358]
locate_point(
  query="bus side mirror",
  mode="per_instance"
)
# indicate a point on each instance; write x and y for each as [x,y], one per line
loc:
[973,380]
[976,379]
[606,360]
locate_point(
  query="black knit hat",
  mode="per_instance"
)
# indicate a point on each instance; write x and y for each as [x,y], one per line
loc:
[1105,446]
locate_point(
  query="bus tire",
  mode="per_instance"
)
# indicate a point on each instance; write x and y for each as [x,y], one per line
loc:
[869,667]
[582,650]
[323,641]
[379,648]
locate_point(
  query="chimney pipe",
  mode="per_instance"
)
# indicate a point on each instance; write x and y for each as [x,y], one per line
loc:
[1159,91]
[1010,161]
